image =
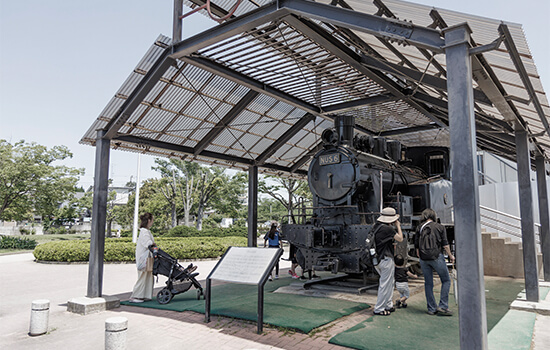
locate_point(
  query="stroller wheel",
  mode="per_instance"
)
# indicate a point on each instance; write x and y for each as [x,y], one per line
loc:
[164,296]
[199,294]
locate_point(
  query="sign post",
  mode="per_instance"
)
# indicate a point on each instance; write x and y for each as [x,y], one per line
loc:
[244,265]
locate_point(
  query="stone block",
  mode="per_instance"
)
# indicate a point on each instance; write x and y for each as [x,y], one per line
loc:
[86,306]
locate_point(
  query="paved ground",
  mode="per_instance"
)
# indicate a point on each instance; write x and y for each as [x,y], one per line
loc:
[23,280]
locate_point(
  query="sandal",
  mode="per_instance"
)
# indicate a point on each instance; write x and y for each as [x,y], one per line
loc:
[390,310]
[382,313]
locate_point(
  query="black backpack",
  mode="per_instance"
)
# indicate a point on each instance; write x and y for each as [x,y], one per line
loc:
[372,258]
[428,246]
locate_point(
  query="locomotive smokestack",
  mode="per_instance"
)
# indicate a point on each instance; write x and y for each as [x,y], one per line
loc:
[345,124]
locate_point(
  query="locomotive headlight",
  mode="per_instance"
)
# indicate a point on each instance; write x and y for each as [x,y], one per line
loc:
[330,137]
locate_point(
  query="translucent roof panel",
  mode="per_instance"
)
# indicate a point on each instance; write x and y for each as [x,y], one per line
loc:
[262,94]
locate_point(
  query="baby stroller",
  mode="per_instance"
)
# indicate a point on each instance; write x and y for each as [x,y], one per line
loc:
[179,279]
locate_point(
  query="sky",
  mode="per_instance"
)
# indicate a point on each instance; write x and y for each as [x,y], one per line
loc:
[62,61]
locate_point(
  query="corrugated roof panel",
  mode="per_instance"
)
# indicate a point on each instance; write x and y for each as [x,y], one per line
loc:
[220,110]
[154,93]
[262,126]
[170,139]
[130,83]
[219,87]
[152,54]
[184,125]
[241,154]
[246,139]
[245,119]
[280,110]
[175,98]
[261,146]
[262,104]
[281,151]
[138,113]
[308,72]
[193,78]
[201,107]
[189,143]
[157,119]
[200,133]
[227,137]
[112,107]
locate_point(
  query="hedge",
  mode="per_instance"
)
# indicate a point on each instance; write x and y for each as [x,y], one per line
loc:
[8,242]
[123,250]
[186,231]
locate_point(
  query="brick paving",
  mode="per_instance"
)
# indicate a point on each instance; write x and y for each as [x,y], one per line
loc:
[23,280]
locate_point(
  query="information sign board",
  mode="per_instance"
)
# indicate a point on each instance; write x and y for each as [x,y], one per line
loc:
[244,265]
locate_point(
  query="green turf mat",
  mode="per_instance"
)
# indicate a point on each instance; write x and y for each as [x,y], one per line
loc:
[412,328]
[513,331]
[299,312]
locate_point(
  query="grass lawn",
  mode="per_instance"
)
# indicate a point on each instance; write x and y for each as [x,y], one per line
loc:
[46,238]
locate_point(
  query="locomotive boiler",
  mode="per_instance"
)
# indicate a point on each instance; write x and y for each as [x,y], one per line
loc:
[352,178]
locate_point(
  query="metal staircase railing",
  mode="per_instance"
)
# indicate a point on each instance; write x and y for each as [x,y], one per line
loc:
[511,228]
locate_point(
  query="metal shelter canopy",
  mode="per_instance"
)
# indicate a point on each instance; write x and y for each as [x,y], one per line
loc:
[259,89]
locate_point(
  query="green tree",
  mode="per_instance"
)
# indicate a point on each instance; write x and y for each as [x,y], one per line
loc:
[29,181]
[153,201]
[270,209]
[285,190]
[228,201]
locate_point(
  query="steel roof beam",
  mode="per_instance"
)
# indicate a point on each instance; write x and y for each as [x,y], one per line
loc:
[385,28]
[516,59]
[225,121]
[250,83]
[293,130]
[344,106]
[243,23]
[409,130]
[439,103]
[294,168]
[143,88]
[348,56]
[189,151]
[417,76]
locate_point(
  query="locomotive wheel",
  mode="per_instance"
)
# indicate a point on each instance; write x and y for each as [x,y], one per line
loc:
[164,296]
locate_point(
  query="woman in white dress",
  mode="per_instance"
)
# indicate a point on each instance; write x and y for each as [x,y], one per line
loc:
[143,290]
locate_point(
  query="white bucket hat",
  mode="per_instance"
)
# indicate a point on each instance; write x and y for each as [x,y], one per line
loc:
[388,216]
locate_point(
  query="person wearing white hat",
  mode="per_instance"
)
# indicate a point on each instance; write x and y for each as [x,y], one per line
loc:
[387,230]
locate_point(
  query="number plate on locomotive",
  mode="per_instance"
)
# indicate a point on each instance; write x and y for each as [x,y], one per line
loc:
[329,159]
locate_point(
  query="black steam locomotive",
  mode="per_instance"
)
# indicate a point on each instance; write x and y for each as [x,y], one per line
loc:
[352,178]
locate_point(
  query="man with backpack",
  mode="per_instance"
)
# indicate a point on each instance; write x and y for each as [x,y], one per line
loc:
[429,241]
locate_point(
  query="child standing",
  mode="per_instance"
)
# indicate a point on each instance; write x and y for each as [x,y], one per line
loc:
[272,236]
[402,275]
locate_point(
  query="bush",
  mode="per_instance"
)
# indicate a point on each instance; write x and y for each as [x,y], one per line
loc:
[185,231]
[122,249]
[57,230]
[8,242]
[27,231]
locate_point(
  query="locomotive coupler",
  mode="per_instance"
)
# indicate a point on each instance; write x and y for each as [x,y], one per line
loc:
[327,264]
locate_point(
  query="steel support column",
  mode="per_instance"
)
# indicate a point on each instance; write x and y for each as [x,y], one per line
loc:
[99,215]
[471,286]
[544,212]
[253,206]
[523,160]
[177,27]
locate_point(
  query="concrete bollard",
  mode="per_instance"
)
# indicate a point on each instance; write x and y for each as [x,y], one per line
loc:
[40,314]
[115,333]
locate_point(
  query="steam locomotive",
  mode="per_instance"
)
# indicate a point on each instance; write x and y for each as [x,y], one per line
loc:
[352,178]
